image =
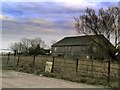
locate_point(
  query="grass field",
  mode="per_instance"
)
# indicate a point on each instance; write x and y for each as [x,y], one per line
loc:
[88,71]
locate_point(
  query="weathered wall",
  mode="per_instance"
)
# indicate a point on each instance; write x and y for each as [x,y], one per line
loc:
[87,52]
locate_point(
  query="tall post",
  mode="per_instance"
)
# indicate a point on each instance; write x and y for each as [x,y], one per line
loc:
[92,68]
[34,59]
[119,72]
[77,65]
[8,57]
[15,52]
[18,59]
[53,64]
[108,70]
[33,66]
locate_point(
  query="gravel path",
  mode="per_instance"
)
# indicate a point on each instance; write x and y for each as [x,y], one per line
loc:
[12,79]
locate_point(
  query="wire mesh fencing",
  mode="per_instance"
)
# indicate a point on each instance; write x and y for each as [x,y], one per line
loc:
[74,69]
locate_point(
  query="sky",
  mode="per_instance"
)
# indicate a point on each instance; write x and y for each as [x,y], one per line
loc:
[51,20]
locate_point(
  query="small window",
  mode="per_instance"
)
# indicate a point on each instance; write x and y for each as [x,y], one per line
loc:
[55,49]
[69,49]
[94,49]
[88,57]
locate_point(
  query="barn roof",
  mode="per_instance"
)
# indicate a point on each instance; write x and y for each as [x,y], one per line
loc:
[80,40]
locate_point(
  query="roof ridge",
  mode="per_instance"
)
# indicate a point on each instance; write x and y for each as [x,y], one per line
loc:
[82,36]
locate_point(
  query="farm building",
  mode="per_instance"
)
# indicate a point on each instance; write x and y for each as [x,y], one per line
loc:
[86,47]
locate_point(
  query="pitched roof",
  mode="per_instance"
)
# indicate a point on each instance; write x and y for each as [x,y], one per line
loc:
[79,40]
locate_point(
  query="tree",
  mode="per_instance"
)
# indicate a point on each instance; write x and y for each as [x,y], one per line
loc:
[25,45]
[104,22]
[35,51]
[29,46]
[37,41]
[16,46]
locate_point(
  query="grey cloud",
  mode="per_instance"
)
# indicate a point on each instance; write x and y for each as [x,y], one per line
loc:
[35,9]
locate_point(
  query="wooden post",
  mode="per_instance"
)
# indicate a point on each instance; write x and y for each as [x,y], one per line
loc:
[108,70]
[33,66]
[119,73]
[92,68]
[18,59]
[15,52]
[8,57]
[34,60]
[53,64]
[76,65]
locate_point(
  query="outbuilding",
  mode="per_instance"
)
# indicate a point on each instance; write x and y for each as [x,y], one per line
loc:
[87,47]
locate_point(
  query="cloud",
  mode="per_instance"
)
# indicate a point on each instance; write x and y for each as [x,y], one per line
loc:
[20,27]
[49,9]
[48,20]
[3,17]
[13,31]
[59,0]
[79,4]
[50,30]
[31,10]
[42,21]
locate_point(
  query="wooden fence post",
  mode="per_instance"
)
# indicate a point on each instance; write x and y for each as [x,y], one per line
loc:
[34,60]
[119,73]
[108,70]
[92,68]
[76,65]
[53,64]
[8,57]
[18,59]
[33,63]
[14,60]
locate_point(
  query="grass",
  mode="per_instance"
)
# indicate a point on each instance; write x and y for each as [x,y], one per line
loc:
[91,72]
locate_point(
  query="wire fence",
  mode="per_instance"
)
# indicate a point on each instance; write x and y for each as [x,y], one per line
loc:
[74,69]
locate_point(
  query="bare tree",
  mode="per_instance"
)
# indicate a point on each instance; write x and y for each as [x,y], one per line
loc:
[104,22]
[25,45]
[16,46]
[37,41]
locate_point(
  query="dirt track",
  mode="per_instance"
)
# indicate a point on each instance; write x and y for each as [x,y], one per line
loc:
[12,79]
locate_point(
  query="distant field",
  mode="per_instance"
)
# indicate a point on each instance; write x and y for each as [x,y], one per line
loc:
[88,71]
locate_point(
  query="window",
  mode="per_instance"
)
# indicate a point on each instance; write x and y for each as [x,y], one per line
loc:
[94,49]
[69,49]
[88,57]
[55,49]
